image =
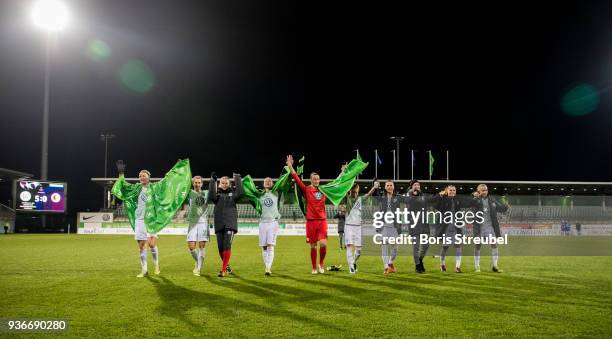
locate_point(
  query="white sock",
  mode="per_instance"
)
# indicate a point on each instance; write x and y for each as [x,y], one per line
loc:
[458,257]
[477,257]
[495,255]
[393,254]
[143,260]
[201,254]
[385,257]
[264,255]
[155,255]
[194,254]
[357,255]
[270,256]
[349,256]
[443,255]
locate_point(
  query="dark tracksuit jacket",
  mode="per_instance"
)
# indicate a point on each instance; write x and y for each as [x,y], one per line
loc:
[225,212]
[494,207]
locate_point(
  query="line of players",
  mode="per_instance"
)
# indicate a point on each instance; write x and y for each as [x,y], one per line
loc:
[225,198]
[415,200]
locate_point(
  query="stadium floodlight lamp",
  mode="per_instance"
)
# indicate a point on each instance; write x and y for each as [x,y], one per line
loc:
[50,15]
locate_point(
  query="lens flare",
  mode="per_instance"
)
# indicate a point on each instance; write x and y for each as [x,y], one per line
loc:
[98,50]
[137,76]
[580,100]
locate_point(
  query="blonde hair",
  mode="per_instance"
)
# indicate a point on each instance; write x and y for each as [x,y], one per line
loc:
[196,177]
[445,190]
[145,172]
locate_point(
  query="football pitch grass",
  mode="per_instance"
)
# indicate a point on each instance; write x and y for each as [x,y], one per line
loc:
[90,281]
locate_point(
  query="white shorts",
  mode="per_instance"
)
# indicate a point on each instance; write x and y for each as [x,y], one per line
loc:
[140,230]
[352,235]
[267,233]
[198,232]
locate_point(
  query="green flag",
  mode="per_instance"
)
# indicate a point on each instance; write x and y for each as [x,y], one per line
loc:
[336,190]
[431,162]
[164,198]
[299,197]
[252,193]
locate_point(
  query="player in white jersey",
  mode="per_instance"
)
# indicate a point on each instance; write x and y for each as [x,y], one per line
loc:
[268,224]
[352,227]
[140,229]
[197,216]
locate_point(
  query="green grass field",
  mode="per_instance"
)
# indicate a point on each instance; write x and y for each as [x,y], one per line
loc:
[90,280]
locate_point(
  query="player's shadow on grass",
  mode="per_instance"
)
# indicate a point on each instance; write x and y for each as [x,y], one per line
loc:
[352,295]
[175,300]
[347,297]
[276,294]
[510,292]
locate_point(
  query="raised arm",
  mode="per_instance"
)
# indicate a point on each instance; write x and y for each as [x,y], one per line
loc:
[372,190]
[239,191]
[297,179]
[212,188]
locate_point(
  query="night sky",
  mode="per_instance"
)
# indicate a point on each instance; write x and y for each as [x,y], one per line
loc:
[239,84]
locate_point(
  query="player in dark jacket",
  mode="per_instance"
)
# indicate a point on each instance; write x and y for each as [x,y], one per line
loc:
[489,206]
[225,215]
[417,201]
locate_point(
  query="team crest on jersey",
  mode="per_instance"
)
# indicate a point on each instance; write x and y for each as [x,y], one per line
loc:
[199,201]
[318,195]
[268,202]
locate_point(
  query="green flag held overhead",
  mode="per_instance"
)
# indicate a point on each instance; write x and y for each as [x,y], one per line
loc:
[164,198]
[299,197]
[336,190]
[252,193]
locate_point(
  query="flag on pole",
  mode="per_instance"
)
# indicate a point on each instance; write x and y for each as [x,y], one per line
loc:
[431,163]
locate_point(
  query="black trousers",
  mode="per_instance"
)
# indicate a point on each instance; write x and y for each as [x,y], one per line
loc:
[224,240]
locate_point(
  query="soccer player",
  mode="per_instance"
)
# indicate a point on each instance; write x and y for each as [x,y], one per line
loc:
[268,224]
[341,216]
[197,217]
[352,228]
[389,202]
[143,202]
[417,201]
[316,218]
[490,225]
[448,201]
[226,215]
